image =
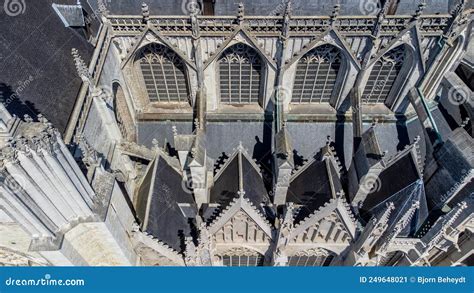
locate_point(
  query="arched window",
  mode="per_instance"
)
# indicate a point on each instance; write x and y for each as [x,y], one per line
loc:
[241,257]
[254,260]
[316,75]
[317,258]
[383,75]
[240,73]
[164,74]
[122,114]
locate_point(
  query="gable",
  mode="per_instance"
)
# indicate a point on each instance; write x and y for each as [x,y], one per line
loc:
[241,228]
[328,229]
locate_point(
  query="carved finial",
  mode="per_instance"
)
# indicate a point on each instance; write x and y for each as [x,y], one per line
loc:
[196,123]
[27,118]
[145,12]
[241,193]
[465,122]
[420,9]
[328,140]
[241,13]
[193,152]
[340,193]
[241,146]
[154,142]
[175,130]
[42,119]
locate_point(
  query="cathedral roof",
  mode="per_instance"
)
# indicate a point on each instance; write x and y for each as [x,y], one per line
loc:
[161,201]
[239,174]
[312,186]
[38,69]
[402,172]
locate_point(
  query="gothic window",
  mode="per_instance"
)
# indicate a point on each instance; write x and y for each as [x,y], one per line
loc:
[383,76]
[240,74]
[316,74]
[242,260]
[164,74]
[122,114]
[320,258]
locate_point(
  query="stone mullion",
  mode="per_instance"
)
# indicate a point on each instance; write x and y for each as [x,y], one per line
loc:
[386,81]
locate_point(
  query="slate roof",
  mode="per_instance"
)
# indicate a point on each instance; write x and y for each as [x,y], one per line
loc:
[239,173]
[160,193]
[273,7]
[71,15]
[396,177]
[133,7]
[36,62]
[402,201]
[312,187]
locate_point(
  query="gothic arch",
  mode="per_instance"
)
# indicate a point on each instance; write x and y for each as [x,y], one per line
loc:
[317,73]
[122,113]
[241,256]
[163,74]
[388,76]
[241,75]
[311,257]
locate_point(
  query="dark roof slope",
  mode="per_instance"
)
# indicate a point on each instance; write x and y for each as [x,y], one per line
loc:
[36,63]
[165,220]
[227,185]
[133,7]
[392,179]
[311,189]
